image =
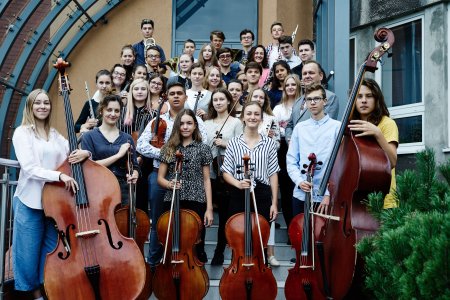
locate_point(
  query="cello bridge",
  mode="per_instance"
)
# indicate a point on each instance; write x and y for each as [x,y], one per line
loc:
[177,261]
[87,234]
[248,265]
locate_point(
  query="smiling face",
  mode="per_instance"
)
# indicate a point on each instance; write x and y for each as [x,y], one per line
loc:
[127,57]
[156,85]
[281,72]
[185,63]
[111,113]
[140,93]
[259,55]
[290,87]
[140,73]
[207,53]
[41,107]
[214,78]
[220,102]
[119,75]
[305,52]
[187,126]
[153,58]
[311,74]
[252,116]
[258,96]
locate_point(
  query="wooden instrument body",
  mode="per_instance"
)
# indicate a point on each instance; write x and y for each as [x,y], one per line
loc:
[361,167]
[194,281]
[233,281]
[293,287]
[122,267]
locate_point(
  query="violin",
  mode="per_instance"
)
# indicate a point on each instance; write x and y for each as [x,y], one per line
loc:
[134,223]
[90,250]
[159,126]
[357,166]
[180,275]
[305,279]
[197,98]
[247,276]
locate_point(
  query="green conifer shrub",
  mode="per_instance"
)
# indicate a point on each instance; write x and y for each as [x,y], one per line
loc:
[409,257]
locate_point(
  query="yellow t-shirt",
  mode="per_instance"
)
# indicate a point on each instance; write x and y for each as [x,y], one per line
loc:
[390,133]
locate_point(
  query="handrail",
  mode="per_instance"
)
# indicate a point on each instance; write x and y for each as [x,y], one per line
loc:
[7,188]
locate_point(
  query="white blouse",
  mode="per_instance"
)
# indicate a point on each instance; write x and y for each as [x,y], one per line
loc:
[38,161]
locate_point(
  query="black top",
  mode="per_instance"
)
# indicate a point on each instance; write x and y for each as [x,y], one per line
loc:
[85,114]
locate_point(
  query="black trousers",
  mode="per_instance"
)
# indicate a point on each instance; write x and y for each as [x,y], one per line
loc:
[200,209]
[221,194]
[263,195]
[285,183]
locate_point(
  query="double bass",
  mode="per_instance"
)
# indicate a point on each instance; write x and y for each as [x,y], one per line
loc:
[134,223]
[357,167]
[180,275]
[92,260]
[247,276]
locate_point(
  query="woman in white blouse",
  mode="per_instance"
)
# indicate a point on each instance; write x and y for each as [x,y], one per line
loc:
[291,92]
[40,150]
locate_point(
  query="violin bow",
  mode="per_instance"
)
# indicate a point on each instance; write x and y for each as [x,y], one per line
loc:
[252,192]
[220,130]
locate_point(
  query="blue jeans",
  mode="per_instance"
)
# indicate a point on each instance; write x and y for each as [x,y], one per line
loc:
[33,237]
[155,198]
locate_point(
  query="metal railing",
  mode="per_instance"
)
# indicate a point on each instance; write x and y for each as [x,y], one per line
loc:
[8,187]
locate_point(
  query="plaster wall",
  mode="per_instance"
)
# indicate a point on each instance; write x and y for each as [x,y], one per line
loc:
[434,70]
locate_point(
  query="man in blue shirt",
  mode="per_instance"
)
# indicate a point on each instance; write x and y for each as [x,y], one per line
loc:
[316,135]
[147,28]
[228,68]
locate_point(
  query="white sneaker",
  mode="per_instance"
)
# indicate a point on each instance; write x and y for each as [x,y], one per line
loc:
[273,261]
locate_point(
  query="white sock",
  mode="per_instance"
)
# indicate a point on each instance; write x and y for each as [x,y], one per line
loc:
[40,298]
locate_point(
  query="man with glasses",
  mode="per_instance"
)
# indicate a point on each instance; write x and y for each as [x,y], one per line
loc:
[247,38]
[147,28]
[316,135]
[228,68]
[311,74]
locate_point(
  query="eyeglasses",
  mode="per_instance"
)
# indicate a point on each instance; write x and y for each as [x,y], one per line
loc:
[314,100]
[224,56]
[153,56]
[119,74]
[246,37]
[156,83]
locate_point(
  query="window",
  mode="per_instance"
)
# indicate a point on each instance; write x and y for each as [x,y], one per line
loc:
[402,83]
[196,19]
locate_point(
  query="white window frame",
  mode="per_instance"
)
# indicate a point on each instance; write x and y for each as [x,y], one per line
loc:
[415,109]
[447,150]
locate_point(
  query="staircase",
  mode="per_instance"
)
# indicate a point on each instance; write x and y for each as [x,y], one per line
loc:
[283,253]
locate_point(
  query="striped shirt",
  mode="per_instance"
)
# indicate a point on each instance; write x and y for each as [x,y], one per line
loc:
[263,156]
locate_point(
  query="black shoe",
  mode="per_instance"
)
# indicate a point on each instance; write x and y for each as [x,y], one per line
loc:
[202,257]
[293,260]
[217,259]
[277,225]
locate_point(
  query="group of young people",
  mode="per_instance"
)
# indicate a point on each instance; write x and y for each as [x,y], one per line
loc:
[214,110]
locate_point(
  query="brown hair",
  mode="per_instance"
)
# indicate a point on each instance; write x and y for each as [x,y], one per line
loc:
[266,105]
[380,109]
[212,113]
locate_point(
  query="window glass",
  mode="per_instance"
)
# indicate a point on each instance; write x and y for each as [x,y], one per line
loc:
[196,19]
[402,72]
[410,129]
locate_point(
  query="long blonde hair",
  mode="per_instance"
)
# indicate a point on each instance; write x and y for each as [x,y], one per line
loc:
[130,101]
[28,118]
[298,92]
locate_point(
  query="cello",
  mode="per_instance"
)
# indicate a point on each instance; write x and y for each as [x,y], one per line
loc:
[159,126]
[357,166]
[302,281]
[182,275]
[247,276]
[92,260]
[134,223]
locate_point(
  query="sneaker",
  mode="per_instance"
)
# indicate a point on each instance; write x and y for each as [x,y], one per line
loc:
[273,261]
[217,259]
[202,257]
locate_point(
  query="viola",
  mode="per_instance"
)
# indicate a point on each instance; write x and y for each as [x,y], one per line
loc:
[180,275]
[305,279]
[357,167]
[134,223]
[247,233]
[92,260]
[159,126]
